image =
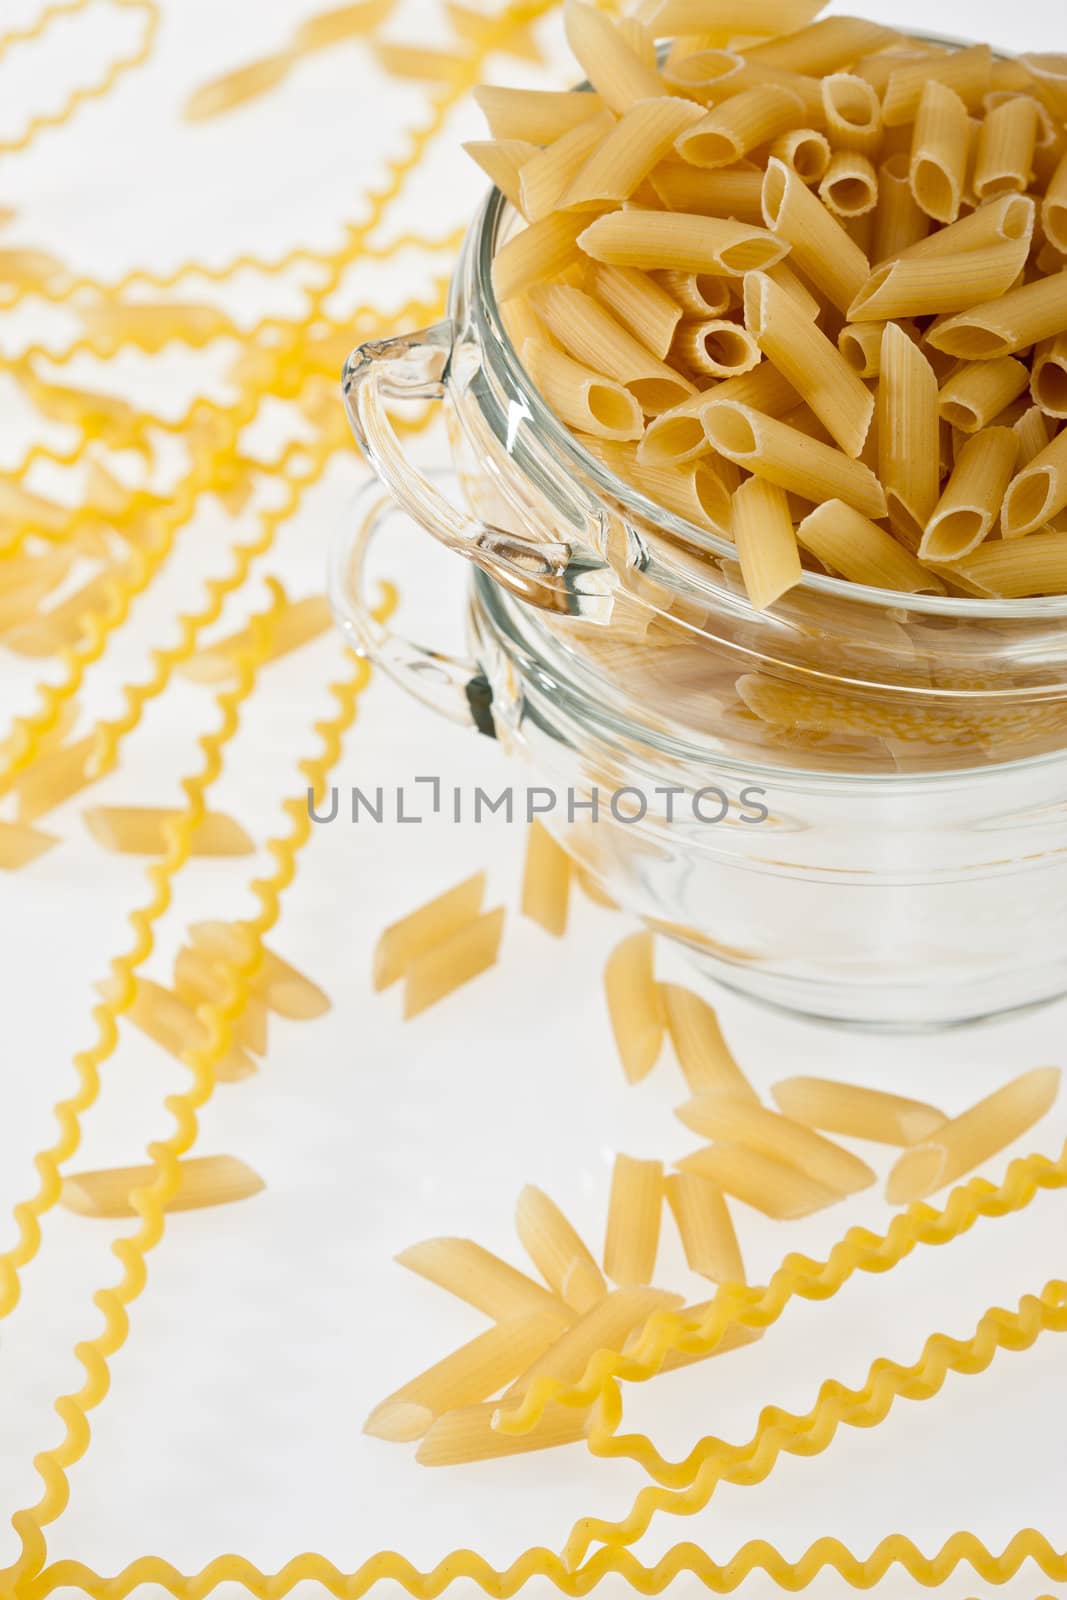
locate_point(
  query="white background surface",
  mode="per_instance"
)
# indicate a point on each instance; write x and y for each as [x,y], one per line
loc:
[268,1330]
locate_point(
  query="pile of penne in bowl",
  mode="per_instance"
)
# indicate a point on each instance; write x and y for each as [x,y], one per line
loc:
[803,283]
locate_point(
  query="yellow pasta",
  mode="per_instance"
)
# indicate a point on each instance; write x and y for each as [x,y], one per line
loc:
[1034,433]
[1011,218]
[698,294]
[813,366]
[693,490]
[591,335]
[769,1186]
[907,423]
[21,845]
[703,1054]
[463,956]
[640,303]
[536,116]
[616,72]
[752,1127]
[789,458]
[700,192]
[546,881]
[542,250]
[728,132]
[1006,142]
[1038,493]
[794,286]
[467,1434]
[679,435]
[142,831]
[483,1280]
[717,348]
[853,113]
[198,981]
[635,1005]
[680,242]
[1049,381]
[850,186]
[547,175]
[857,1112]
[202,1181]
[56,775]
[967,73]
[900,221]
[940,152]
[980,391]
[702,71]
[606,1326]
[1013,570]
[861,345]
[584,398]
[925,286]
[804,151]
[625,155]
[824,47]
[971,501]
[850,544]
[1054,207]
[557,1251]
[734,16]
[819,246]
[63,626]
[401,944]
[959,1146]
[634,1213]
[298,623]
[1023,317]
[286,991]
[170,1022]
[706,1229]
[502,160]
[766,541]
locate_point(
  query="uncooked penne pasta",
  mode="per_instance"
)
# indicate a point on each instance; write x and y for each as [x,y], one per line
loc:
[171,1023]
[716,348]
[705,1226]
[740,1122]
[1034,432]
[592,337]
[1054,207]
[627,152]
[966,72]
[55,776]
[536,116]
[700,192]
[980,391]
[202,1181]
[63,626]
[702,71]
[20,845]
[1006,142]
[735,1337]
[857,1112]
[299,622]
[467,1434]
[861,345]
[1049,380]
[727,133]
[925,286]
[465,955]
[640,303]
[402,942]
[766,542]
[698,294]
[679,435]
[972,498]
[795,462]
[1038,493]
[616,72]
[635,1005]
[805,356]
[546,881]
[735,17]
[769,1186]
[693,490]
[853,113]
[547,175]
[1015,569]
[286,991]
[907,422]
[584,398]
[824,47]
[502,160]
[557,1251]
[198,982]
[940,152]
[819,246]
[143,831]
[794,286]
[804,151]
[482,1279]
[850,186]
[681,242]
[1021,318]
[703,1054]
[605,1326]
[963,1144]
[542,250]
[858,549]
[899,220]
[1011,218]
[468,1375]
[634,1213]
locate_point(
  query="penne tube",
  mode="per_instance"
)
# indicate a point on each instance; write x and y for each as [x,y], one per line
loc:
[584,399]
[1016,569]
[699,294]
[692,490]
[853,113]
[1038,493]
[1034,433]
[143,831]
[856,548]
[927,287]
[769,1186]
[755,75]
[636,34]
[418,61]
[814,367]
[783,455]
[467,1434]
[704,1056]
[287,992]
[401,944]
[536,116]
[1006,142]
[605,1326]
[804,151]
[824,47]
[56,775]
[728,132]
[470,1374]
[557,1251]
[592,337]
[546,881]
[635,1005]
[971,502]
[1022,317]
[63,626]
[548,174]
[753,1127]
[1054,207]
[1048,384]
[899,220]
[1011,218]
[940,152]
[716,348]
[624,155]
[794,286]
[743,17]
[634,1212]
[907,423]
[640,303]
[502,161]
[166,1019]
[850,186]
[705,1227]
[766,542]
[465,955]
[202,1181]
[542,250]
[198,982]
[21,845]
[967,73]
[700,192]
[679,435]
[617,73]
[963,1144]
[857,1112]
[819,247]
[980,391]
[464,1269]
[681,242]
[861,345]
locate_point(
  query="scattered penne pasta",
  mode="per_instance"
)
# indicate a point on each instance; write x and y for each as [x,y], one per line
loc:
[635,1005]
[741,1122]
[482,1279]
[403,942]
[463,956]
[467,1434]
[285,991]
[972,499]
[706,1230]
[202,1181]
[767,1185]
[298,624]
[546,881]
[143,831]
[634,1213]
[198,981]
[557,1251]
[857,1112]
[766,541]
[173,1024]
[606,1326]
[703,1054]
